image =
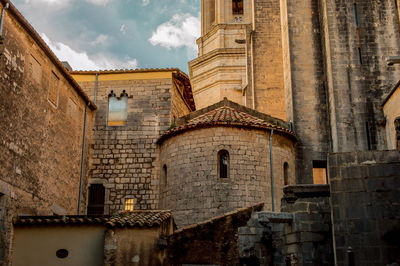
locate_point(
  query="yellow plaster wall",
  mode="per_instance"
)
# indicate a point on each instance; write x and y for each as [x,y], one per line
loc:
[122,76]
[392,110]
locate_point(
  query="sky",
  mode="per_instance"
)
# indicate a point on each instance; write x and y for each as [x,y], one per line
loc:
[117,34]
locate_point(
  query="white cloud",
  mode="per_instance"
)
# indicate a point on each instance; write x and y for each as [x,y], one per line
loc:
[49,2]
[100,40]
[145,2]
[123,29]
[99,2]
[181,30]
[81,60]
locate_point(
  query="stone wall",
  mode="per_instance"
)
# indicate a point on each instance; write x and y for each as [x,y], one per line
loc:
[365,200]
[357,74]
[268,60]
[304,83]
[194,192]
[41,130]
[308,239]
[211,242]
[124,158]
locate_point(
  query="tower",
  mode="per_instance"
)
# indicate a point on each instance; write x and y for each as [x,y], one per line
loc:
[220,69]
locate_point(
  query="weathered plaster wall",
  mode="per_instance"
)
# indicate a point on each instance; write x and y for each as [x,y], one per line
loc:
[391,110]
[194,193]
[364,190]
[37,245]
[41,132]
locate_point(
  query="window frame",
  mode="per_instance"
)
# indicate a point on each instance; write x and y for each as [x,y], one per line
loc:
[219,164]
[122,97]
[236,9]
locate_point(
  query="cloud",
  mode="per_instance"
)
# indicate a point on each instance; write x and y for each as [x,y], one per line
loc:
[99,2]
[81,60]
[123,29]
[100,40]
[49,2]
[180,31]
[145,2]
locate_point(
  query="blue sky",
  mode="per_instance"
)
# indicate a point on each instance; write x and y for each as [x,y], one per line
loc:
[114,34]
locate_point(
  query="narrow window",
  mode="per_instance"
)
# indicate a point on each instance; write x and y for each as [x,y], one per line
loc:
[53,90]
[237,7]
[223,164]
[164,175]
[117,109]
[319,172]
[360,56]
[355,15]
[128,204]
[397,131]
[367,129]
[96,199]
[286,173]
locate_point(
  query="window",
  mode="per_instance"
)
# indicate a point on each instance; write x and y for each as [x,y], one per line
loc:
[117,109]
[355,15]
[223,164]
[286,173]
[319,172]
[53,90]
[35,69]
[164,180]
[237,7]
[128,205]
[397,129]
[96,199]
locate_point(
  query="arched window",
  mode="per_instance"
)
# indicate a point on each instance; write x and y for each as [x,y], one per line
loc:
[237,7]
[223,164]
[117,109]
[96,199]
[286,173]
[164,175]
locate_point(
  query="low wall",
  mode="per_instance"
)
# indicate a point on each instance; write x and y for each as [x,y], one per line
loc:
[365,191]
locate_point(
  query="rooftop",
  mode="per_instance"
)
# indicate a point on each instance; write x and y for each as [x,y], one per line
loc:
[227,113]
[131,219]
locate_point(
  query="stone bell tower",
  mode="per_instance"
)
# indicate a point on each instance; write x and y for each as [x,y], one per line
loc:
[221,67]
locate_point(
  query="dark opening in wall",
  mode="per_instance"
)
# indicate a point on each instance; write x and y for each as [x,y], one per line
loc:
[96,199]
[319,172]
[397,131]
[286,173]
[359,56]
[355,15]
[164,175]
[223,164]
[237,7]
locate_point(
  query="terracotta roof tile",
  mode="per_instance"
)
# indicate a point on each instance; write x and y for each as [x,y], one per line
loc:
[125,219]
[227,113]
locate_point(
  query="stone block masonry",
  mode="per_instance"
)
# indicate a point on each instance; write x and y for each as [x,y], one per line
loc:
[41,129]
[365,189]
[125,158]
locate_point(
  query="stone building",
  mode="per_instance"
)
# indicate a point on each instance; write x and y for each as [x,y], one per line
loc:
[44,115]
[135,107]
[310,111]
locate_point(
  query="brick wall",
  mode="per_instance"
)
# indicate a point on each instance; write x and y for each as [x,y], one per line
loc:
[41,131]
[364,190]
[193,191]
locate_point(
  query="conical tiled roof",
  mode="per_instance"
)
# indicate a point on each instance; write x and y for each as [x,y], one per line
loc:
[227,113]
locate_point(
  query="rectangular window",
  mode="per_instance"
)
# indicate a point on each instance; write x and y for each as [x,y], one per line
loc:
[237,7]
[96,199]
[35,69]
[128,205]
[117,109]
[53,90]
[355,15]
[319,172]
